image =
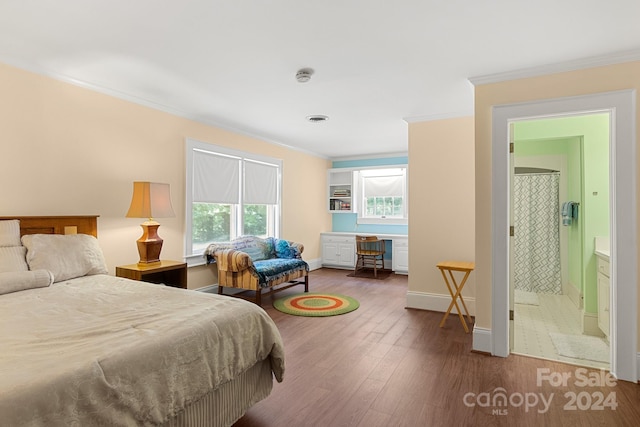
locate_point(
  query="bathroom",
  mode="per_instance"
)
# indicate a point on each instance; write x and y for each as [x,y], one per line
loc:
[555,286]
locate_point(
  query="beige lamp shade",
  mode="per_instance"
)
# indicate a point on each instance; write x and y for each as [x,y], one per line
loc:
[150,200]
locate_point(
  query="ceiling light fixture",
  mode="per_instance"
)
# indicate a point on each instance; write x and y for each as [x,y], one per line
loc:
[317,118]
[304,75]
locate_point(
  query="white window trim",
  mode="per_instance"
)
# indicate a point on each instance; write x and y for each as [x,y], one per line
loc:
[194,259]
[360,198]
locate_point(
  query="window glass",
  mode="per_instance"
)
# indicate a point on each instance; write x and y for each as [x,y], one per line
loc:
[255,220]
[211,222]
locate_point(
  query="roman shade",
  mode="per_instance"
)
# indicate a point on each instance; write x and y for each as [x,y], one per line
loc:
[207,186]
[260,183]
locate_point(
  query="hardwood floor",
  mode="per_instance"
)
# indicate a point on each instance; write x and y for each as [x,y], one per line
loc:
[385,365]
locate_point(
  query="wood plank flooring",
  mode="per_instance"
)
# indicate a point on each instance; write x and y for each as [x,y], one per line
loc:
[385,365]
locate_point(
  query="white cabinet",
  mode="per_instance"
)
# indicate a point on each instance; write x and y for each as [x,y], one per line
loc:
[400,256]
[338,251]
[604,296]
[340,190]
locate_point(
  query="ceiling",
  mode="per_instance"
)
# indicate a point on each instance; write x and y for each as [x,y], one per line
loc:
[378,64]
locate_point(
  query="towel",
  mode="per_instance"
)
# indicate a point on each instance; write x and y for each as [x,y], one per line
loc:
[566,213]
[569,212]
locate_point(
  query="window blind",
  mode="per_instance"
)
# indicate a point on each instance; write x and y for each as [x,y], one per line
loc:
[261,183]
[383,186]
[215,178]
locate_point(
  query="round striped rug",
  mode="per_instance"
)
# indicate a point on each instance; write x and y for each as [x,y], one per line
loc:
[316,305]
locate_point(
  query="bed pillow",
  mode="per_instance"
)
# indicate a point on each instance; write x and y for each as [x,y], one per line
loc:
[66,256]
[10,232]
[15,281]
[13,258]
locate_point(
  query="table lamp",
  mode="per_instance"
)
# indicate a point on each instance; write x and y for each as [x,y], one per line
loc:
[150,200]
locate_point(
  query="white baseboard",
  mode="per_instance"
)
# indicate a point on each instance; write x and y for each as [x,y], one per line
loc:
[437,302]
[314,264]
[638,364]
[481,340]
[590,325]
[574,295]
[211,289]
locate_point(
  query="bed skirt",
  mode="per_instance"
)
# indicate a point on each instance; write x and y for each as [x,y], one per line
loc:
[227,404]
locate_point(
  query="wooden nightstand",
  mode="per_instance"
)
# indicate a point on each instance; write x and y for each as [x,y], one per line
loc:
[170,273]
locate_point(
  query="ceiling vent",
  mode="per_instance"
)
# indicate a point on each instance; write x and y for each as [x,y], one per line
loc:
[304,75]
[317,118]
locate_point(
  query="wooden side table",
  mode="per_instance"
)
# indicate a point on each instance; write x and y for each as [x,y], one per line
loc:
[171,273]
[450,267]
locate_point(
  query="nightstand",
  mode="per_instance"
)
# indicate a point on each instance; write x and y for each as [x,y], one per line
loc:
[170,273]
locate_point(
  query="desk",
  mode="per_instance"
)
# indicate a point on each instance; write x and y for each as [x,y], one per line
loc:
[339,248]
[449,267]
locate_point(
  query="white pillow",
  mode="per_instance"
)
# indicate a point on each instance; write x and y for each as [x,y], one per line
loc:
[13,258]
[10,232]
[22,280]
[66,256]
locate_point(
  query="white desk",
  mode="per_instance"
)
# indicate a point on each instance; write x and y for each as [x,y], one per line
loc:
[339,248]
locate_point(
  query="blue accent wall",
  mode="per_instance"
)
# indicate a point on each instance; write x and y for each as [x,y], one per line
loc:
[347,222]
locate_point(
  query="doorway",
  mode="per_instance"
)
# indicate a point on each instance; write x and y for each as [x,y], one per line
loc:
[621,106]
[560,202]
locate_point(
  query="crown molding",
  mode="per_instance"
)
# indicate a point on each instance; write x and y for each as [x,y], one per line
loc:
[560,67]
[442,116]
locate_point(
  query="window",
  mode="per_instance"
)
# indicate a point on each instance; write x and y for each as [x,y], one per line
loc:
[229,193]
[382,194]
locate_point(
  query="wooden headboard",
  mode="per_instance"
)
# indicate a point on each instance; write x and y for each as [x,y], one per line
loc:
[85,224]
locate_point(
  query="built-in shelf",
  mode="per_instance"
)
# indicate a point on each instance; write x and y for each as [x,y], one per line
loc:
[340,191]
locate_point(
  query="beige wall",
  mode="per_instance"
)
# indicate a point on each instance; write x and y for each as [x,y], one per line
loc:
[69,150]
[441,201]
[582,82]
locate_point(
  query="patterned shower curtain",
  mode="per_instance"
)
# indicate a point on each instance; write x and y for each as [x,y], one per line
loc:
[537,234]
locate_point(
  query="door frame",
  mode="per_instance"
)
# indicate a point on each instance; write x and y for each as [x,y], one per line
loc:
[624,251]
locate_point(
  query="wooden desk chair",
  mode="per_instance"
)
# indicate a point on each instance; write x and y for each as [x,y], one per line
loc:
[370,253]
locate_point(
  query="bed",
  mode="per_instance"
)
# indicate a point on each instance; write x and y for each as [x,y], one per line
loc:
[81,347]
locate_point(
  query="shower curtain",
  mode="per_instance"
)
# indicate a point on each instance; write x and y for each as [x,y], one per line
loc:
[537,234]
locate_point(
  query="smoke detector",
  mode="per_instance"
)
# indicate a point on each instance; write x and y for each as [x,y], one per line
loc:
[317,118]
[304,75]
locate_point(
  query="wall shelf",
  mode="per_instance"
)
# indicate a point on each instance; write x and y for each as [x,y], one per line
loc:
[340,188]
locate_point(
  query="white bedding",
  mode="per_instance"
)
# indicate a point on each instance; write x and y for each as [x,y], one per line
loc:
[101,350]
